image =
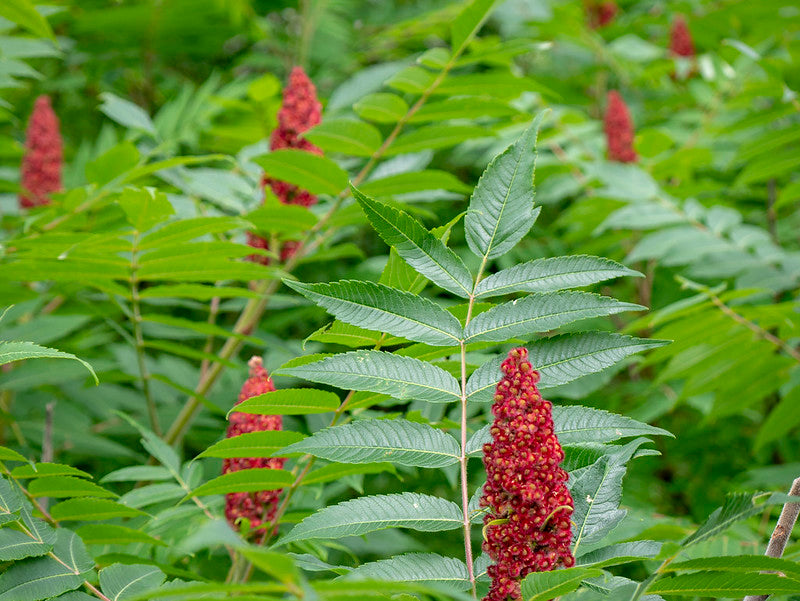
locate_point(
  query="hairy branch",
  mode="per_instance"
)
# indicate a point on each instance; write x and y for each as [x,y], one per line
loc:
[783,529]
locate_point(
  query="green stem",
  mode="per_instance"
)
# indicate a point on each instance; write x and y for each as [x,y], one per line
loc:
[141,356]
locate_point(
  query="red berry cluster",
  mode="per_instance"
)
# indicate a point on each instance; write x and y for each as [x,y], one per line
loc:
[600,13]
[619,130]
[527,526]
[259,507]
[299,112]
[41,164]
[680,38]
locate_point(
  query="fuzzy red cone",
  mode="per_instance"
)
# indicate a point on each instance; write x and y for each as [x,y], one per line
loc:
[527,526]
[299,112]
[600,14]
[680,38]
[619,130]
[258,507]
[41,164]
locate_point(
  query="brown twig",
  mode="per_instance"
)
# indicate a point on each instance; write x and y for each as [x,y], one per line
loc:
[758,330]
[783,529]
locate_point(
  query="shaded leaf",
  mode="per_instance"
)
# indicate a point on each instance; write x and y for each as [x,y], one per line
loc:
[289,401]
[247,480]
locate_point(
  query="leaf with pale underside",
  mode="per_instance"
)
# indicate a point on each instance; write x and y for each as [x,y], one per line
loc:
[501,209]
[379,307]
[385,373]
[417,246]
[552,274]
[541,312]
[424,513]
[397,441]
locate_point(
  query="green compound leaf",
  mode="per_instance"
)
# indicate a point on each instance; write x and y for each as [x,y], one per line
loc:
[433,137]
[397,441]
[501,209]
[420,248]
[45,577]
[376,371]
[614,555]
[10,502]
[309,171]
[252,444]
[717,584]
[541,586]
[553,274]
[737,506]
[17,351]
[575,424]
[40,470]
[378,307]
[86,509]
[337,471]
[15,545]
[66,486]
[422,568]
[562,359]
[468,22]
[597,493]
[541,312]
[368,514]
[414,181]
[738,563]
[24,14]
[346,136]
[289,401]
[109,534]
[249,480]
[381,107]
[120,582]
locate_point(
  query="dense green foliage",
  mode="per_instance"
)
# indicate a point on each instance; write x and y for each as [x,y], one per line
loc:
[657,298]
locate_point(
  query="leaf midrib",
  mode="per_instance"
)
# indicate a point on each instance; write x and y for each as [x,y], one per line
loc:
[388,313]
[387,379]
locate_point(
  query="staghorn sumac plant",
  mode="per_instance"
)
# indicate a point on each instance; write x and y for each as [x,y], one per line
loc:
[486,313]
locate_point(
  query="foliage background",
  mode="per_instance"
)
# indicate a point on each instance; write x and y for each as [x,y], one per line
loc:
[709,214]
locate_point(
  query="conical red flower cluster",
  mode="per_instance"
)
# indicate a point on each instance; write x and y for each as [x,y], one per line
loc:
[299,112]
[41,164]
[619,130]
[527,526]
[680,38]
[258,507]
[600,13]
